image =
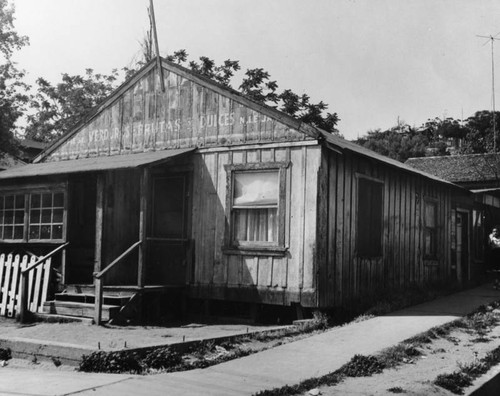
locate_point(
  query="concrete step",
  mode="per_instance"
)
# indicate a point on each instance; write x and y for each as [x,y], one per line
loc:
[109,299]
[79,309]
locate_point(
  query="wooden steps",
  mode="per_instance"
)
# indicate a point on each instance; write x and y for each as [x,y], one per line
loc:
[78,302]
[79,309]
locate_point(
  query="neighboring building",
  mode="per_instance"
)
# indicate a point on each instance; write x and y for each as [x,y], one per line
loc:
[8,161]
[29,149]
[231,200]
[473,171]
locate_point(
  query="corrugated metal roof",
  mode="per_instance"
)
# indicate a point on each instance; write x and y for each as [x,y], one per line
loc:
[94,164]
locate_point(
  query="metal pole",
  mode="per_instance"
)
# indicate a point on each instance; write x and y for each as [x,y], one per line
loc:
[493,95]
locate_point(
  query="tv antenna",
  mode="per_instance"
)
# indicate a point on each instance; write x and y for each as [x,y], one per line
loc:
[491,39]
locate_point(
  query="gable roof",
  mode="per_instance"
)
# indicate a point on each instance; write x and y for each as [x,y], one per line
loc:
[465,169]
[333,142]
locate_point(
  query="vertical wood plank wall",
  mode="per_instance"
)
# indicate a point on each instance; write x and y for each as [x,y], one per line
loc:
[346,277]
[268,279]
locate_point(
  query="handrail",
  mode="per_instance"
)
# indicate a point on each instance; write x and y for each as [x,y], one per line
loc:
[23,309]
[101,273]
[41,260]
[98,282]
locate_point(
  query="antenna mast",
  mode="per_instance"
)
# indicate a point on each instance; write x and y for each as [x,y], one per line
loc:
[157,50]
[492,39]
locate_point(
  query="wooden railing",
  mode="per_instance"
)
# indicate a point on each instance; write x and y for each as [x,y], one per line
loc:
[23,309]
[98,282]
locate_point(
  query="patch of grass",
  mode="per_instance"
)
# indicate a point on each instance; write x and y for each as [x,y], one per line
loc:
[401,353]
[396,389]
[454,382]
[463,377]
[362,366]
[5,354]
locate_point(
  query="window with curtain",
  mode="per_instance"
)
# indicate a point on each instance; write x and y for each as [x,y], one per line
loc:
[430,229]
[255,207]
[370,215]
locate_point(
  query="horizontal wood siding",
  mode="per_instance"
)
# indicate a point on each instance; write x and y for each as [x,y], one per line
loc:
[348,278]
[266,278]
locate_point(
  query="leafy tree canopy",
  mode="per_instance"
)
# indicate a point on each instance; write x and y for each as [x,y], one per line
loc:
[472,136]
[59,108]
[13,97]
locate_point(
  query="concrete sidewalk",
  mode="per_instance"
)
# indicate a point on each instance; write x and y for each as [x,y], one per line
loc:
[287,364]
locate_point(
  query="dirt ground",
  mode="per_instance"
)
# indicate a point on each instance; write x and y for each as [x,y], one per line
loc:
[112,338]
[442,356]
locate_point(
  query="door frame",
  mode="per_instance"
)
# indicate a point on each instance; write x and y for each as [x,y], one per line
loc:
[459,238]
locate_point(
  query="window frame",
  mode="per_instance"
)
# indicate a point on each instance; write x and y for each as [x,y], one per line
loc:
[433,254]
[360,251]
[27,192]
[275,248]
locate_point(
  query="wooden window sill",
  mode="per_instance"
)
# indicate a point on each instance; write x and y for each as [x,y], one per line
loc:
[276,251]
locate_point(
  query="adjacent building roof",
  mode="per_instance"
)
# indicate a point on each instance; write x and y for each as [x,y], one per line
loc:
[94,164]
[467,170]
[8,161]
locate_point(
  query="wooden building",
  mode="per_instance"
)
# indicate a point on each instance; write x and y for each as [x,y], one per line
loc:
[196,187]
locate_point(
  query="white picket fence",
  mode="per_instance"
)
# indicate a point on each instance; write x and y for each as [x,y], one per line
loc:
[10,284]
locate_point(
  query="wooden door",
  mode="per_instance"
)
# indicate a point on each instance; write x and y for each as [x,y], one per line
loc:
[168,240]
[463,270]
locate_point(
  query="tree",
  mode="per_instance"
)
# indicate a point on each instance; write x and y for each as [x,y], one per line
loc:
[13,97]
[61,107]
[257,85]
[479,134]
[400,142]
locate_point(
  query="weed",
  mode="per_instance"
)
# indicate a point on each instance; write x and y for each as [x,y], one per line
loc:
[362,366]
[111,362]
[5,354]
[454,382]
[396,389]
[401,353]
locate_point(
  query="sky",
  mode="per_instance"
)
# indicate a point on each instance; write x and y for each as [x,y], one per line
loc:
[374,62]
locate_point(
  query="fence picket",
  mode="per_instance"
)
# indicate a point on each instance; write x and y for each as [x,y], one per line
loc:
[5,285]
[30,285]
[23,265]
[10,284]
[13,287]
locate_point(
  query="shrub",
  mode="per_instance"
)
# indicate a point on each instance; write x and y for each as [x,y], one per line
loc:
[111,362]
[162,358]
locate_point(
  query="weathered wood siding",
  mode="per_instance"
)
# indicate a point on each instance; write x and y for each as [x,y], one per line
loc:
[268,279]
[345,278]
[187,114]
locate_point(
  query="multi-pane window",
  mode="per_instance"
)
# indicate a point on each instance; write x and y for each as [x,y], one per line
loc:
[255,207]
[370,215]
[430,229]
[12,216]
[46,216]
[35,216]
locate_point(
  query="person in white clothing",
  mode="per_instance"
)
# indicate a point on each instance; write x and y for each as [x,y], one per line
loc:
[494,245]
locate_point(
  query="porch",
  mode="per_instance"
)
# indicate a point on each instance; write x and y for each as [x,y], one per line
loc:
[124,225]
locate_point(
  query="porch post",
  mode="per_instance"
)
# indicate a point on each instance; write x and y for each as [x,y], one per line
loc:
[98,247]
[143,226]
